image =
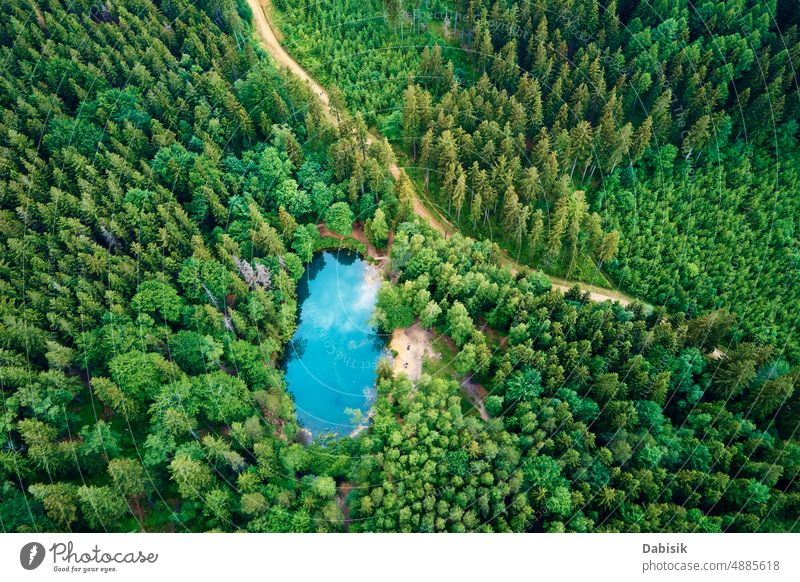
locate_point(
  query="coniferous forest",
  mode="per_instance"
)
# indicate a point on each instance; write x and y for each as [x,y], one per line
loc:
[590,209]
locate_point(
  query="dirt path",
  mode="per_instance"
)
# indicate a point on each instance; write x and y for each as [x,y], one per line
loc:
[284,59]
[342,491]
[475,393]
[273,46]
[438,222]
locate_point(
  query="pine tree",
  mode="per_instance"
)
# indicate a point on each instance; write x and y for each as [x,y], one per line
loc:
[459,191]
[337,103]
[543,61]
[641,140]
[447,162]
[377,230]
[580,144]
[696,138]
[411,120]
[531,186]
[484,50]
[287,223]
[662,118]
[536,234]
[529,94]
[580,101]
[511,209]
[544,158]
[608,248]
[393,13]
[578,210]
[521,224]
[405,193]
[607,138]
[476,208]
[504,66]
[426,155]
[489,199]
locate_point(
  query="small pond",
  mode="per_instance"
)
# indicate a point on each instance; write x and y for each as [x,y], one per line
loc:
[330,362]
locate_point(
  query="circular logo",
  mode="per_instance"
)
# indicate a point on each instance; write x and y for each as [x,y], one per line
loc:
[31,555]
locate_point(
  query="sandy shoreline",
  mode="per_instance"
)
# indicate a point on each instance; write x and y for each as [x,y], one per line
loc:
[412,345]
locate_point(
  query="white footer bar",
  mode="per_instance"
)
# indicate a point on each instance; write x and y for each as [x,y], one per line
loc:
[406,558]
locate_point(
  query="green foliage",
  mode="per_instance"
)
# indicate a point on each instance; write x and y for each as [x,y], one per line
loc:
[192,476]
[377,229]
[620,136]
[225,397]
[157,297]
[150,251]
[339,218]
[60,502]
[347,34]
[711,254]
[194,353]
[602,418]
[305,242]
[128,477]
[392,310]
[146,290]
[101,506]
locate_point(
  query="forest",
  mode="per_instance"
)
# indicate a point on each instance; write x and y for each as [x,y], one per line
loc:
[603,418]
[157,211]
[163,185]
[647,147]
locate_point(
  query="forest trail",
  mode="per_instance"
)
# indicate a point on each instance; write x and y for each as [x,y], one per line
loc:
[272,45]
[476,394]
[342,491]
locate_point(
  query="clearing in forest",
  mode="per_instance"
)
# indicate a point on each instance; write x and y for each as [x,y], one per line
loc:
[412,345]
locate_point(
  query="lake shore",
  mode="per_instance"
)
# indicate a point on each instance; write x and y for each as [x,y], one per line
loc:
[358,235]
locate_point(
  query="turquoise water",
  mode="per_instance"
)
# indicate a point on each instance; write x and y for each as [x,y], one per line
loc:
[331,360]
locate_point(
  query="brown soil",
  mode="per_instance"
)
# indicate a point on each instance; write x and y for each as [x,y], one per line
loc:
[358,234]
[475,393]
[412,344]
[342,491]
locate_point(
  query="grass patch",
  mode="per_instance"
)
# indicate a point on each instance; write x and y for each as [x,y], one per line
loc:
[444,366]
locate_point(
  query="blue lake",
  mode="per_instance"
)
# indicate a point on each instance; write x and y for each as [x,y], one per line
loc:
[330,362]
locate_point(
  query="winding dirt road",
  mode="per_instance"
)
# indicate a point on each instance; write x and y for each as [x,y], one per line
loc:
[272,45]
